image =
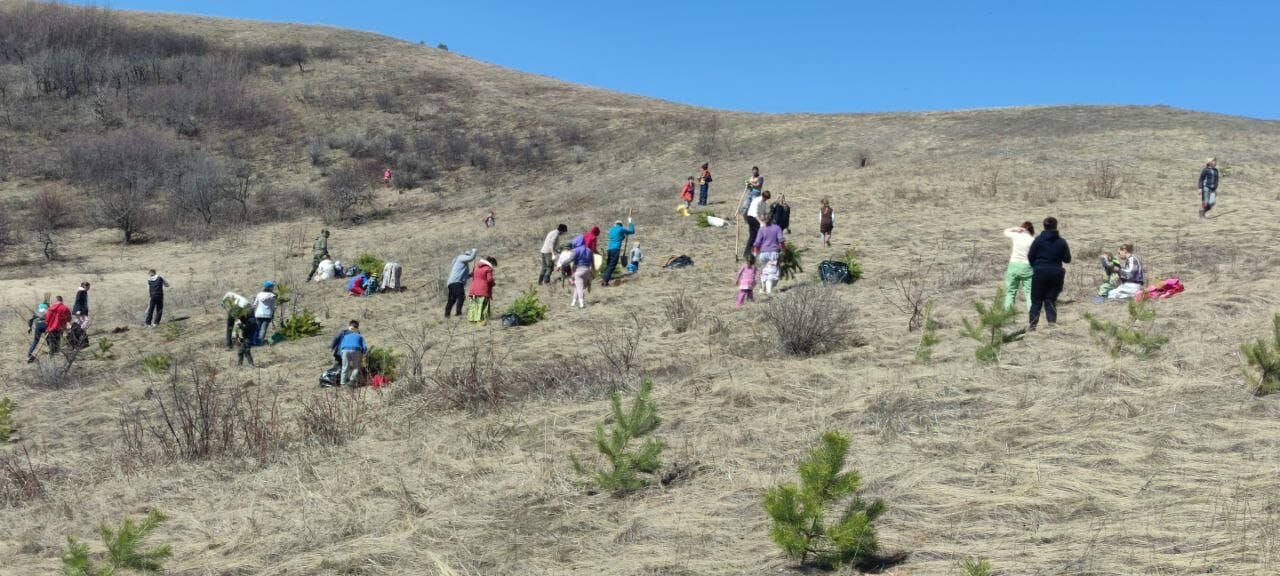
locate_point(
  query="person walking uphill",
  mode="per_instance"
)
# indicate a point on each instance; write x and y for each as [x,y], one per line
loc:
[37,326]
[769,243]
[459,273]
[551,246]
[617,235]
[1018,273]
[56,320]
[80,309]
[755,213]
[1047,254]
[1208,185]
[482,290]
[353,348]
[155,308]
[319,252]
[264,311]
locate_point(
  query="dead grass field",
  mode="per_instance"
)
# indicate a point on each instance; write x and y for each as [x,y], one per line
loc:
[1061,460]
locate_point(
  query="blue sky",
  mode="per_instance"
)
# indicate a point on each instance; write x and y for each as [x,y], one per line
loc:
[798,56]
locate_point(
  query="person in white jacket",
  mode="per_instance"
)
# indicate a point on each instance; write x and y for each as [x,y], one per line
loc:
[236,306]
[264,310]
[1018,274]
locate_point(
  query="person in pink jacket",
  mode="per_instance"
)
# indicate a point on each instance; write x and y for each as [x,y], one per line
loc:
[747,280]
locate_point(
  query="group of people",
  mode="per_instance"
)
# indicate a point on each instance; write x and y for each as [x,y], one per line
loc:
[578,260]
[56,324]
[479,294]
[250,319]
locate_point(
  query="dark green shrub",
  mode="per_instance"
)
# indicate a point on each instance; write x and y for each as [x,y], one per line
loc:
[1264,357]
[124,550]
[990,329]
[528,307]
[370,264]
[6,419]
[800,513]
[850,259]
[789,261]
[384,361]
[627,470]
[300,325]
[156,364]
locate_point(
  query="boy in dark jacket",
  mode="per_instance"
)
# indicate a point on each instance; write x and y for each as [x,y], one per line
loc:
[246,327]
[155,308]
[1048,253]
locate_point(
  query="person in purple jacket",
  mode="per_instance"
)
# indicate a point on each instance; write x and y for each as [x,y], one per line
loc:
[768,244]
[583,265]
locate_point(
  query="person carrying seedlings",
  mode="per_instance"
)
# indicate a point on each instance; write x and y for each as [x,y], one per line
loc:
[704,183]
[1018,273]
[482,284]
[155,306]
[1048,252]
[769,243]
[247,328]
[551,246]
[1208,185]
[459,273]
[634,258]
[617,234]
[583,267]
[36,325]
[352,347]
[755,186]
[319,252]
[686,194]
[755,213]
[264,311]
[56,320]
[781,212]
[1128,269]
[826,222]
[80,308]
[236,307]
[747,280]
[335,345]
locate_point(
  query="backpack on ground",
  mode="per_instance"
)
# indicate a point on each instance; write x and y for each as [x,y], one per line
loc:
[834,272]
[680,261]
[509,320]
[331,376]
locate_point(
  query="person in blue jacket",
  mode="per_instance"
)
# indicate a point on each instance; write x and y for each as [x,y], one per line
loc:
[353,349]
[617,235]
[1047,254]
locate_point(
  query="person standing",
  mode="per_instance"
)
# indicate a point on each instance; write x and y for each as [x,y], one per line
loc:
[591,238]
[80,308]
[237,308]
[319,252]
[634,258]
[755,186]
[264,311]
[482,284]
[1018,273]
[155,308]
[490,220]
[247,330]
[459,273]
[37,325]
[1208,185]
[1048,252]
[583,264]
[617,234]
[686,194]
[353,349]
[826,221]
[769,243]
[704,183]
[755,213]
[550,248]
[781,212]
[56,320]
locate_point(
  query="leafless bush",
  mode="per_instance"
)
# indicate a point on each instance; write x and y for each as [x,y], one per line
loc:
[333,417]
[1104,182]
[122,172]
[385,100]
[317,151]
[620,348]
[976,268]
[55,371]
[8,233]
[810,320]
[21,480]
[682,311]
[193,416]
[347,187]
[204,185]
[479,383]
[282,55]
[909,292]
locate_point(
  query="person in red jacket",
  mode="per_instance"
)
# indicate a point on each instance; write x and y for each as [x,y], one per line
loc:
[686,194]
[590,238]
[482,290]
[57,319]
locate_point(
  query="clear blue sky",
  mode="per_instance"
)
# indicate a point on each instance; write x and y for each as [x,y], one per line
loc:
[833,56]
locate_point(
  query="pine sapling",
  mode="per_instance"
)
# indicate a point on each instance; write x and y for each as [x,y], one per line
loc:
[790,260]
[627,470]
[6,419]
[990,329]
[1118,339]
[1264,358]
[800,513]
[124,550]
[929,337]
[975,567]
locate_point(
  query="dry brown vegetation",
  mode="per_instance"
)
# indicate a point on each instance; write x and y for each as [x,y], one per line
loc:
[1060,459]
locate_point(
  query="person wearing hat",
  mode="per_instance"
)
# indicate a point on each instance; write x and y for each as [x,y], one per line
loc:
[617,235]
[264,311]
[1208,185]
[37,326]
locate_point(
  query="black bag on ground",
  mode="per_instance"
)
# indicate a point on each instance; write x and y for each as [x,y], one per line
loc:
[833,272]
[679,262]
[330,376]
[509,320]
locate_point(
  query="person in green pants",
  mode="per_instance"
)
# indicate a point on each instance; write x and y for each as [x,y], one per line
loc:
[1018,274]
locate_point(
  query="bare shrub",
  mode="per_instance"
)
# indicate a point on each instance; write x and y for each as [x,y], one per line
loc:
[620,348]
[862,159]
[991,181]
[479,383]
[281,55]
[976,268]
[204,185]
[333,417]
[56,371]
[385,100]
[682,311]
[910,292]
[122,172]
[8,233]
[1104,182]
[21,480]
[810,320]
[317,151]
[347,187]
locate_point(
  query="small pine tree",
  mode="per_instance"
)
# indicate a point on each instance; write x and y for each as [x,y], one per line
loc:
[799,513]
[975,567]
[929,337]
[370,264]
[702,219]
[1265,359]
[851,260]
[300,325]
[6,419]
[123,550]
[1118,339]
[156,364]
[528,307]
[789,261]
[383,361]
[990,330]
[104,350]
[627,470]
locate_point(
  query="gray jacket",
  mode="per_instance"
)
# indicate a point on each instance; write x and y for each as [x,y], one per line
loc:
[460,272]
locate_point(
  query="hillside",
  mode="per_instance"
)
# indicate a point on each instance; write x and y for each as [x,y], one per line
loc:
[1057,460]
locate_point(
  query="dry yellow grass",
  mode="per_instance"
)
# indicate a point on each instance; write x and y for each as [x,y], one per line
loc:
[1059,461]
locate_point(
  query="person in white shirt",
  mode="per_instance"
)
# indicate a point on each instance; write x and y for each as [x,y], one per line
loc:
[236,306]
[755,213]
[1018,274]
[550,247]
[264,310]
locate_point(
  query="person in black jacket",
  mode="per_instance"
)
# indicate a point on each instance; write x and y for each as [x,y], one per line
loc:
[781,212]
[155,308]
[1048,253]
[80,310]
[1208,185]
